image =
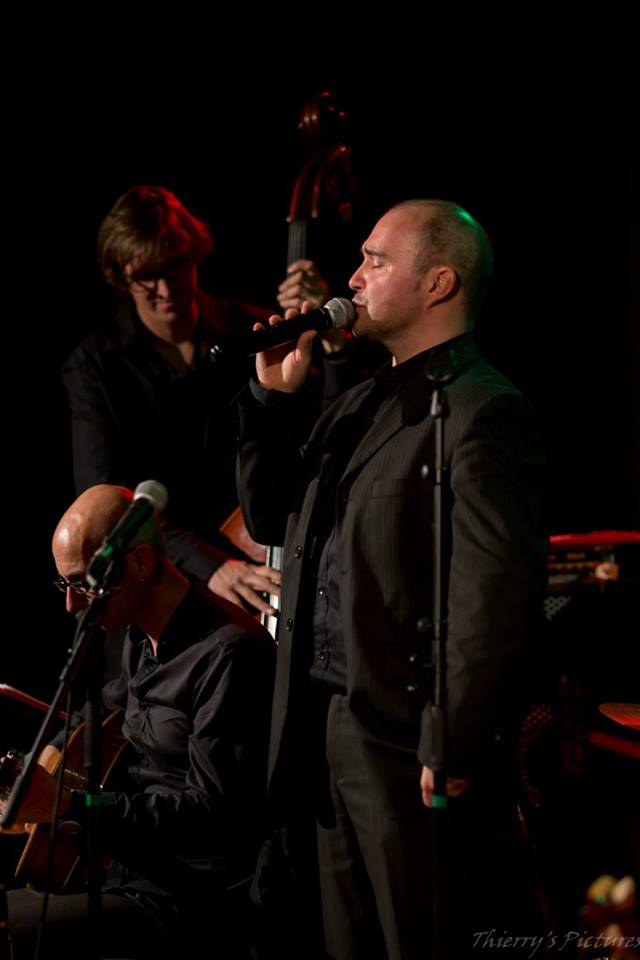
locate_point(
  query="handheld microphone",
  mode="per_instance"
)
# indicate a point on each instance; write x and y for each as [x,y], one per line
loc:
[336,314]
[149,497]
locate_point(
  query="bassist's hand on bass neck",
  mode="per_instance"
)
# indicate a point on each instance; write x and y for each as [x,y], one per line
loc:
[303,283]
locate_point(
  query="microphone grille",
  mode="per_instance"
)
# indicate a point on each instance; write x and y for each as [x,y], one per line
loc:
[341,311]
[155,492]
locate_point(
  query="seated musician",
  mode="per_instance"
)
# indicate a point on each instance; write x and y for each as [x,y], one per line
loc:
[195,689]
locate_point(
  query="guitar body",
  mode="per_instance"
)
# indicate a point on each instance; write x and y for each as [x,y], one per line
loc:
[33,864]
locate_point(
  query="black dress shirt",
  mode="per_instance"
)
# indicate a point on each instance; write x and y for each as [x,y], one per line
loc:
[197,719]
[329,664]
[134,418]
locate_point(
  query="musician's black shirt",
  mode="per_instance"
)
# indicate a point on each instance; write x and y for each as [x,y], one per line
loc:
[197,718]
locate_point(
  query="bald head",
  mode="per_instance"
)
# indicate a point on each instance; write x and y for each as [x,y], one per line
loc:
[148,587]
[453,237]
[88,520]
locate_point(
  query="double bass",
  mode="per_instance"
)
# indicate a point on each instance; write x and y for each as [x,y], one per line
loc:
[323,194]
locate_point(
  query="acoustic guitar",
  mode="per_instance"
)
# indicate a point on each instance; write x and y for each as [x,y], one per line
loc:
[33,866]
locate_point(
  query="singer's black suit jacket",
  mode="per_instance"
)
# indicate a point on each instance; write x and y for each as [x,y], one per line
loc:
[384,521]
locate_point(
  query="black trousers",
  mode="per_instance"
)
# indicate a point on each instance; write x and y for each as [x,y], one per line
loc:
[127,931]
[376,872]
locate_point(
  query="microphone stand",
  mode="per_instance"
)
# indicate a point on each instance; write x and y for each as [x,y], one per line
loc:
[93,768]
[439,412]
[85,653]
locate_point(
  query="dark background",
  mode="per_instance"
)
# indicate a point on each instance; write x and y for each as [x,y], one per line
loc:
[549,167]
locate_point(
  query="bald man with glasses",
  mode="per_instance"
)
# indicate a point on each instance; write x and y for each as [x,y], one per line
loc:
[183,826]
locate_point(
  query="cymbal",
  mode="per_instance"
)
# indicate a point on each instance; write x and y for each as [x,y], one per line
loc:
[625,713]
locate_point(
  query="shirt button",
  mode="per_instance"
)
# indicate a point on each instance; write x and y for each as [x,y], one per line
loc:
[321,591]
[419,662]
[289,624]
[322,657]
[298,552]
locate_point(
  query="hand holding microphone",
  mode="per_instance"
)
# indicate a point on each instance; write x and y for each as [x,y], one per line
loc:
[285,347]
[285,367]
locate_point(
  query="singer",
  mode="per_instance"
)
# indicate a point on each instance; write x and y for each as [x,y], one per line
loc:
[353,509]
[183,825]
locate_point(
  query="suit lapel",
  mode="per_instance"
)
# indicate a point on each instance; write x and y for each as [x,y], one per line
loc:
[395,411]
[413,396]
